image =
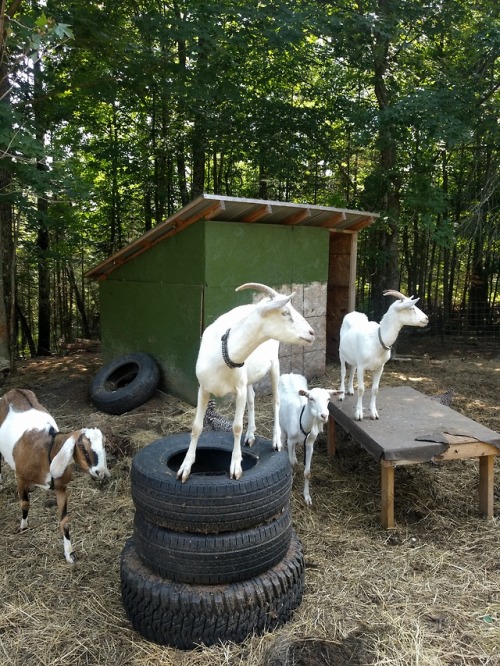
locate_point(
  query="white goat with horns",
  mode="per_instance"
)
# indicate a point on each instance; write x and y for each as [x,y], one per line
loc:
[366,345]
[237,350]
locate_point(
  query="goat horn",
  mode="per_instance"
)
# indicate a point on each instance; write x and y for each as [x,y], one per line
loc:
[259,287]
[396,294]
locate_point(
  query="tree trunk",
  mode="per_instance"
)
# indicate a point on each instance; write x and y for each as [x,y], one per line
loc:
[79,301]
[6,214]
[42,243]
[387,274]
[43,348]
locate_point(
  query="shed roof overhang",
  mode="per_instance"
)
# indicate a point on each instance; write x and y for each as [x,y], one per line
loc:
[236,209]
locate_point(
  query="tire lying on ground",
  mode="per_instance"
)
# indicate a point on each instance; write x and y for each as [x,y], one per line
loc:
[212,559]
[209,501]
[125,383]
[183,616]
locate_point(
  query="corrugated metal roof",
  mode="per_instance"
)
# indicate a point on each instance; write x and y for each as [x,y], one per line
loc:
[236,209]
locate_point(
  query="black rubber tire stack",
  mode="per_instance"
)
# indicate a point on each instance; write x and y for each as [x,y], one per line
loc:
[212,559]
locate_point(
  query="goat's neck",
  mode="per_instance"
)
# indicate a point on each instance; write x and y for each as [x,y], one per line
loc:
[389,329]
[306,418]
[57,442]
[244,337]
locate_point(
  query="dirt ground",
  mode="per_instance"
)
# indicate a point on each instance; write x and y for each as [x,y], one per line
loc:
[426,593]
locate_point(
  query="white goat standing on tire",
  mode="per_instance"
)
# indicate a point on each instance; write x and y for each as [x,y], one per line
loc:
[303,413]
[366,345]
[237,350]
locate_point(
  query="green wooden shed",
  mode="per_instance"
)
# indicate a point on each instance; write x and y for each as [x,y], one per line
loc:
[160,292]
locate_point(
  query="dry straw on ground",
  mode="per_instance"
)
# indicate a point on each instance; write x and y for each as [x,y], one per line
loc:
[426,593]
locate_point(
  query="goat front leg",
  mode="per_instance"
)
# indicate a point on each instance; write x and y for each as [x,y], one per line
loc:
[275,377]
[358,412]
[62,512]
[250,435]
[292,456]
[235,470]
[308,452]
[377,374]
[201,407]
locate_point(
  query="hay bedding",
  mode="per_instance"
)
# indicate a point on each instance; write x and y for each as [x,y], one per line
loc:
[426,593]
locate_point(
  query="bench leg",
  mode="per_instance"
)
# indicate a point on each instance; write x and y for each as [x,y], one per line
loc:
[486,485]
[387,492]
[331,440]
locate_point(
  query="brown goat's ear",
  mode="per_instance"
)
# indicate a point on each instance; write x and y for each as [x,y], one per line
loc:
[63,458]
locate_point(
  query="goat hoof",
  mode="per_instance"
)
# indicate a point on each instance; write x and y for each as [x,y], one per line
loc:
[250,441]
[235,472]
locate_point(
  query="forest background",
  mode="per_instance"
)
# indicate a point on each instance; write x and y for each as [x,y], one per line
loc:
[114,114]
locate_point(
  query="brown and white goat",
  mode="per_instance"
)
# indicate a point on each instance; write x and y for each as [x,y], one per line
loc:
[42,456]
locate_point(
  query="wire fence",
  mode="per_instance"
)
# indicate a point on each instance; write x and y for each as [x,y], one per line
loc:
[477,321]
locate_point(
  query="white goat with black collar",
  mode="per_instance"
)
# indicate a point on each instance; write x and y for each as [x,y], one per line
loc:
[42,456]
[236,351]
[366,345]
[303,414]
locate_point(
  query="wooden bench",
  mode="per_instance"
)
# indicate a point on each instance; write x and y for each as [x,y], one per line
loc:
[414,429]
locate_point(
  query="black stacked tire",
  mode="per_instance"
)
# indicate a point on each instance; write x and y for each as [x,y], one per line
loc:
[209,502]
[184,616]
[211,559]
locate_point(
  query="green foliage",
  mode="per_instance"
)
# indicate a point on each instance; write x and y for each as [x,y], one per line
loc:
[385,106]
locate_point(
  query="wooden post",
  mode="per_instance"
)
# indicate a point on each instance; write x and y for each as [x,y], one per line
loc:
[387,494]
[331,439]
[486,485]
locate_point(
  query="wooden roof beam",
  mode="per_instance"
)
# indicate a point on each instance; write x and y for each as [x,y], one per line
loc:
[205,214]
[257,214]
[333,220]
[296,218]
[362,223]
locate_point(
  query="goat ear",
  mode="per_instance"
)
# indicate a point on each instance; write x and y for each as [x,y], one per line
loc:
[276,303]
[403,305]
[305,393]
[63,458]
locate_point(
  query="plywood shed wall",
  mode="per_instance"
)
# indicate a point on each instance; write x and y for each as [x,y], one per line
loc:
[158,297]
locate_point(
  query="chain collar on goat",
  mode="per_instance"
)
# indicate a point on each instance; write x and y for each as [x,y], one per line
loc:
[225,353]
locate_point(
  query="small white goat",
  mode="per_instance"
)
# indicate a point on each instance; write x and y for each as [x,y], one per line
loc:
[366,345]
[41,456]
[303,413]
[236,351]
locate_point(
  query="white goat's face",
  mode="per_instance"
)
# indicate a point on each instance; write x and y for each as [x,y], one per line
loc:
[284,323]
[90,448]
[410,315]
[318,400]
